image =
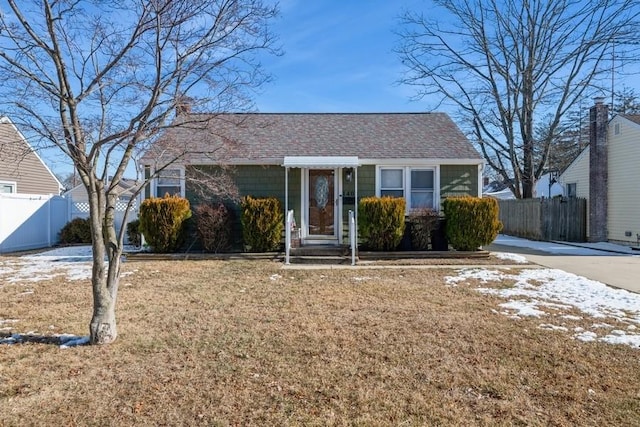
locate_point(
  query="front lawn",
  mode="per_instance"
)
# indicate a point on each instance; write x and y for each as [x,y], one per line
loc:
[250,343]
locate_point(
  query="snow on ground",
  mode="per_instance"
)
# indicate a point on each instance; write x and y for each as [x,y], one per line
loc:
[518,259]
[72,262]
[588,249]
[549,293]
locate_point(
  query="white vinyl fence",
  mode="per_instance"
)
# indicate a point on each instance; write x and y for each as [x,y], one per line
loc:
[30,221]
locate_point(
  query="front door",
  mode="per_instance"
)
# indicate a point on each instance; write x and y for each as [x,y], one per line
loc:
[321,206]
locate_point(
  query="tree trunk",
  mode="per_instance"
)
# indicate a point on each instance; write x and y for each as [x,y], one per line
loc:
[106,274]
[103,328]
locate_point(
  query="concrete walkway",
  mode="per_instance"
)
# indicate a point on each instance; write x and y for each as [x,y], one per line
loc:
[614,265]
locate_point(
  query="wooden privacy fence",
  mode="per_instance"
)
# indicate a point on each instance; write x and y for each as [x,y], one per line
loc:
[558,218]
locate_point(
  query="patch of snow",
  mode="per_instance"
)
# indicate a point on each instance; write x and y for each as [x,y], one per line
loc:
[586,336]
[632,340]
[518,259]
[560,291]
[550,247]
[550,327]
[523,308]
[68,341]
[601,325]
[364,278]
[275,277]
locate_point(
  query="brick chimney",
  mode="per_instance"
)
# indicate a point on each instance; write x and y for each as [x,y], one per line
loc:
[598,171]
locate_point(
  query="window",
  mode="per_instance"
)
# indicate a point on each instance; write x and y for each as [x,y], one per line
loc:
[7,187]
[416,185]
[391,182]
[616,129]
[169,181]
[571,190]
[421,189]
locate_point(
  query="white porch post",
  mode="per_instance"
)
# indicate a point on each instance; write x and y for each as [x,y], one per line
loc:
[355,202]
[286,189]
[287,223]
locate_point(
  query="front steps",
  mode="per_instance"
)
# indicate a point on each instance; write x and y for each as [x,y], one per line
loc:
[320,254]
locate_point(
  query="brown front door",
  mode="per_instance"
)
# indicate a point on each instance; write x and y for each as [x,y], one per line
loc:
[322,202]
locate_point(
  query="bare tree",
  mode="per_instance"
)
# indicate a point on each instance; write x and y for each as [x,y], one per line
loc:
[507,64]
[101,80]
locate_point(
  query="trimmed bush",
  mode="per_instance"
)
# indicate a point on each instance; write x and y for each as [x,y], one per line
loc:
[262,223]
[213,225]
[381,222]
[422,223]
[133,233]
[471,222]
[78,230]
[162,222]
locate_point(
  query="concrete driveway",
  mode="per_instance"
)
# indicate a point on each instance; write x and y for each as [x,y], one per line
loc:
[620,269]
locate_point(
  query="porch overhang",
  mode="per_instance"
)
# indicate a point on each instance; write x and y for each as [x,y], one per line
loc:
[321,162]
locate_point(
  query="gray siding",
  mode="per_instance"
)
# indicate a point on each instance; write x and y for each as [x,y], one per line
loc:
[458,180]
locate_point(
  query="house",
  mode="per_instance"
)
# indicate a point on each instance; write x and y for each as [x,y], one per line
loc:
[606,173]
[126,189]
[319,165]
[22,169]
[501,191]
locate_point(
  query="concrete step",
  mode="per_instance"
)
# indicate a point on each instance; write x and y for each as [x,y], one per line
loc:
[320,259]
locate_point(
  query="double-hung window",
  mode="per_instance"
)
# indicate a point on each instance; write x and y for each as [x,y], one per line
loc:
[416,185]
[421,189]
[7,187]
[169,181]
[392,182]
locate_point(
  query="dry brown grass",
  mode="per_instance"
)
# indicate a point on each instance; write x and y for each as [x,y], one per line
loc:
[231,343]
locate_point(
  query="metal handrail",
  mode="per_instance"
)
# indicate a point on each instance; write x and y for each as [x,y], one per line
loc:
[287,236]
[352,236]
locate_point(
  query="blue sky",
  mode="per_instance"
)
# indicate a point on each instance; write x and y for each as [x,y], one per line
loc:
[338,57]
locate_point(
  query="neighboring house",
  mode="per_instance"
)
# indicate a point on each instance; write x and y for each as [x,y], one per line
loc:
[126,189]
[607,173]
[501,191]
[319,165]
[22,170]
[543,187]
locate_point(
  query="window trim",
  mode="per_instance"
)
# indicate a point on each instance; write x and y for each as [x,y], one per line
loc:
[575,187]
[12,184]
[157,178]
[406,182]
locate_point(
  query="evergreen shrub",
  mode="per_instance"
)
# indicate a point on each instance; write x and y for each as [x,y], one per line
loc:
[471,222]
[262,223]
[78,230]
[133,232]
[381,222]
[162,222]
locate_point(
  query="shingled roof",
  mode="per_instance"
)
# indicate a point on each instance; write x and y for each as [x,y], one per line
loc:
[266,138]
